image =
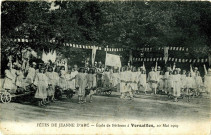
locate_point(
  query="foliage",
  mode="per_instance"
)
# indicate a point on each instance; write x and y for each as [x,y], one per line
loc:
[128,24]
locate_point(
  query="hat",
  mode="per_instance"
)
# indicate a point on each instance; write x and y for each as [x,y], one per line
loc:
[33,63]
[158,67]
[196,68]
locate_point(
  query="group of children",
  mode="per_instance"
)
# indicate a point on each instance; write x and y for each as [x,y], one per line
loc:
[173,82]
[128,81]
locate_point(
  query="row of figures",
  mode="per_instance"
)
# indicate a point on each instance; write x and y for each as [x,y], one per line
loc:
[50,81]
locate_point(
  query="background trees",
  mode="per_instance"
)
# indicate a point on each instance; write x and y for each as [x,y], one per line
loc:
[128,24]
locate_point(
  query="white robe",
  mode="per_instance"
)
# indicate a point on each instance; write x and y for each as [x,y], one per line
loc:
[41,81]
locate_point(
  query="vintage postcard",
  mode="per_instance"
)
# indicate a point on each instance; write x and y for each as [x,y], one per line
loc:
[105,67]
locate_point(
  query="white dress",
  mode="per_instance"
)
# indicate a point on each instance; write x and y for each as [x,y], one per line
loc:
[41,81]
[72,82]
[52,79]
[20,81]
[123,79]
[30,76]
[81,82]
[152,78]
[142,82]
[9,81]
[63,80]
[207,82]
[176,85]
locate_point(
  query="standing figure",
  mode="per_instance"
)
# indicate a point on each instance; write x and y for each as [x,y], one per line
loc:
[122,83]
[63,80]
[199,83]
[183,80]
[142,81]
[91,84]
[41,81]
[161,82]
[106,78]
[31,74]
[20,80]
[170,84]
[165,77]
[176,85]
[188,85]
[128,86]
[134,79]
[81,83]
[152,80]
[73,75]
[10,79]
[53,78]
[207,80]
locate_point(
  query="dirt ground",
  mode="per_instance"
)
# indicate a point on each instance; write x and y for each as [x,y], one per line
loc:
[143,107]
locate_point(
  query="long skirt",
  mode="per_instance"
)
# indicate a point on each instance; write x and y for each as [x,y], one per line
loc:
[81,91]
[9,84]
[41,92]
[176,89]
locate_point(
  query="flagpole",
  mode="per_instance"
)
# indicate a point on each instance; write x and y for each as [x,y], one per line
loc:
[106,55]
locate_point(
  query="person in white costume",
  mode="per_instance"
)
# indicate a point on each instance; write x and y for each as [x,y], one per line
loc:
[153,80]
[41,81]
[176,79]
[31,74]
[207,80]
[10,79]
[142,80]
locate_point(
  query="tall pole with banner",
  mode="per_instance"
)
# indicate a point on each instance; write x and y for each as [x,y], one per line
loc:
[94,49]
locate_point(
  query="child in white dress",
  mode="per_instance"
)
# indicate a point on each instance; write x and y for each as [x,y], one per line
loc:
[41,81]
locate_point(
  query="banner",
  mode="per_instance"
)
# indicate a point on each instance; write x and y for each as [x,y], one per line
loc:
[113,60]
[94,49]
[166,54]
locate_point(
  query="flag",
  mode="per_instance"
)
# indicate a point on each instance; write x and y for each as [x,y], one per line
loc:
[154,59]
[172,59]
[205,60]
[144,67]
[113,60]
[191,69]
[156,66]
[44,56]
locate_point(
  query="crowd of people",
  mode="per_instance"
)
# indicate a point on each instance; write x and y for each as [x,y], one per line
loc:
[127,80]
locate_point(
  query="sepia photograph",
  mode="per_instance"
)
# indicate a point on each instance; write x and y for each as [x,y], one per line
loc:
[105,67]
